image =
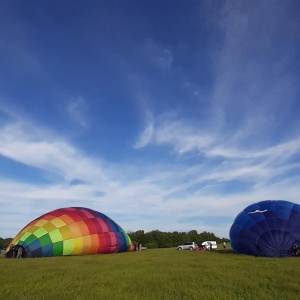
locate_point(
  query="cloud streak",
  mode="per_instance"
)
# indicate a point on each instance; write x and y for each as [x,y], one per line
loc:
[145,137]
[77,110]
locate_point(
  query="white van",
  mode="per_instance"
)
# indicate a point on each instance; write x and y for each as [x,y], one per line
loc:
[208,243]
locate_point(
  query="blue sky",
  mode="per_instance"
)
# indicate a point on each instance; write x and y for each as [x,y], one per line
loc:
[168,115]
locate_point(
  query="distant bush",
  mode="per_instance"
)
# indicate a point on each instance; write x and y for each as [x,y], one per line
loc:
[4,242]
[152,245]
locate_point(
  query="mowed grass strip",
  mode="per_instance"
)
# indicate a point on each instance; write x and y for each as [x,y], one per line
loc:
[152,274]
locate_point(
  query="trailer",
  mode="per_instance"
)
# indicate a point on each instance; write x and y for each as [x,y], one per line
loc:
[210,245]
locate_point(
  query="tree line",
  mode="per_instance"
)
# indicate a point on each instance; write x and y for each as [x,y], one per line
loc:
[4,242]
[159,239]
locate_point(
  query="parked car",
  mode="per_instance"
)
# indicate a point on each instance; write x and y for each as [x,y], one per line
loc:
[188,246]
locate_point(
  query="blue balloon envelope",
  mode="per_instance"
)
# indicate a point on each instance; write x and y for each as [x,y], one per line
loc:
[268,228]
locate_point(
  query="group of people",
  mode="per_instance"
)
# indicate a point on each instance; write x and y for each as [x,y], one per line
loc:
[296,250]
[138,247]
[16,251]
[204,247]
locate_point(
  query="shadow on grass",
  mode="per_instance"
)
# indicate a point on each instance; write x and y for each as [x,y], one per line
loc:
[229,251]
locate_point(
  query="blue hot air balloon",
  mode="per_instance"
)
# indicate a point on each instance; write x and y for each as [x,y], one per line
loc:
[268,228]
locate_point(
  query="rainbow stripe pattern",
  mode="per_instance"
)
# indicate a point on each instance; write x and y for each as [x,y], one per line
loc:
[72,231]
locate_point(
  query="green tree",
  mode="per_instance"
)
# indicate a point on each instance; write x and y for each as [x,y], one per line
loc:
[4,242]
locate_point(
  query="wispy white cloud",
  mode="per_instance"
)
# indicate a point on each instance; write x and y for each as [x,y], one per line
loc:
[221,160]
[184,138]
[77,110]
[38,148]
[253,81]
[145,137]
[162,196]
[159,56]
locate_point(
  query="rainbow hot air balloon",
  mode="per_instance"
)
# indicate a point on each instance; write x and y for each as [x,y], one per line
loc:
[268,228]
[72,231]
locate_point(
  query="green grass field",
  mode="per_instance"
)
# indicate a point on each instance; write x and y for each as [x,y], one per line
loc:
[152,274]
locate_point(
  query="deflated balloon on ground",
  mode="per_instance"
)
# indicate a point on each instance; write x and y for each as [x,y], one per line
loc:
[268,228]
[72,231]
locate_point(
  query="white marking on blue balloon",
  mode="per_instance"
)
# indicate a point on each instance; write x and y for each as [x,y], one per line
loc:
[257,211]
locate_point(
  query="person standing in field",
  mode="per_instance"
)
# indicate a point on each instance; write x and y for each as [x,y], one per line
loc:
[20,252]
[296,250]
[10,252]
[14,251]
[224,245]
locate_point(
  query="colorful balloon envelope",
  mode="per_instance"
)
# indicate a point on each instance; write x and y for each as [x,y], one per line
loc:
[268,228]
[72,231]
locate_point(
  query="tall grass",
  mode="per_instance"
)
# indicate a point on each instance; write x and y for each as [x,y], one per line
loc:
[152,274]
